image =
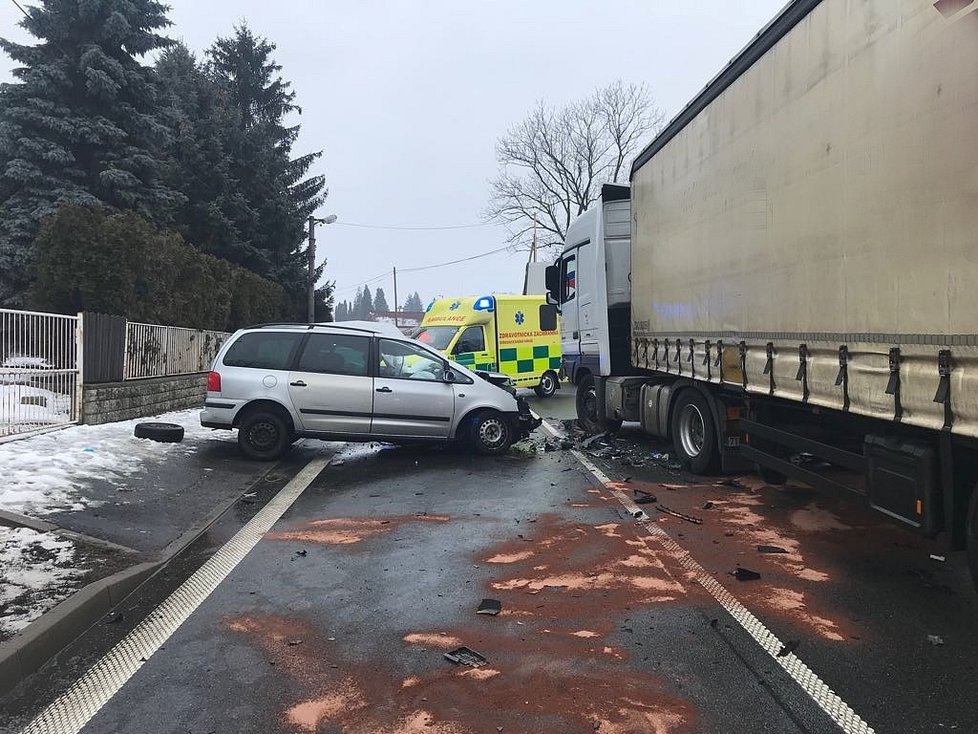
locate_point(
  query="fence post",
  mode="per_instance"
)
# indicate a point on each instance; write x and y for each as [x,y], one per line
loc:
[79,367]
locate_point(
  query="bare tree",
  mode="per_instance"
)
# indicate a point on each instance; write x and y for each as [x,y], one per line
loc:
[552,165]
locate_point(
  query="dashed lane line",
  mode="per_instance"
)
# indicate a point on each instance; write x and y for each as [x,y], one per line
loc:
[826,699]
[71,711]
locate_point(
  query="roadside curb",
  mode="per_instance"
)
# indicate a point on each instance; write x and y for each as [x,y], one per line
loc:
[26,652]
[44,638]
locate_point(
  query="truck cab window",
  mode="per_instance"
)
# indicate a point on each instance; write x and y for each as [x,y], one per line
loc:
[568,278]
[472,340]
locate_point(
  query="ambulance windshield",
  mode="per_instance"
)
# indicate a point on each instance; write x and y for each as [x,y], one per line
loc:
[438,337]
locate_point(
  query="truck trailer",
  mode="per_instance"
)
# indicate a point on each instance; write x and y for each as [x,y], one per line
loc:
[790,281]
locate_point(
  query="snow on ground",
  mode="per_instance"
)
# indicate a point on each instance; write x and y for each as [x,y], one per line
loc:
[48,473]
[35,574]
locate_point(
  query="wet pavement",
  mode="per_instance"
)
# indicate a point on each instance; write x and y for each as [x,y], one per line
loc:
[338,620]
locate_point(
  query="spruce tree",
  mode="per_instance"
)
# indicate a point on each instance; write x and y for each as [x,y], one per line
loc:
[79,124]
[367,304]
[380,301]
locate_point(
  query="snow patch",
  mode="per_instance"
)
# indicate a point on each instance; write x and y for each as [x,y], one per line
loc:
[49,473]
[35,574]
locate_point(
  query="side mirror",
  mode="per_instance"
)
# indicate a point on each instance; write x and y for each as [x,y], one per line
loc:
[552,280]
[449,376]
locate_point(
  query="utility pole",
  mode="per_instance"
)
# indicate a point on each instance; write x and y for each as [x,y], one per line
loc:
[395,296]
[311,252]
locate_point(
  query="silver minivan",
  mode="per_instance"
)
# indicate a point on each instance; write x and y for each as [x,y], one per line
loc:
[276,383]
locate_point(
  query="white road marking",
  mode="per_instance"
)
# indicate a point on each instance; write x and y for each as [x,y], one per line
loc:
[71,711]
[837,709]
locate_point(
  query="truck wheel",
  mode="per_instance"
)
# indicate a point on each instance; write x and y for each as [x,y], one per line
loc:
[694,436]
[587,408]
[971,536]
[263,436]
[491,433]
[547,386]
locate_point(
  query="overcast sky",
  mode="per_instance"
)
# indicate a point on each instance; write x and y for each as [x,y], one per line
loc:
[407,99]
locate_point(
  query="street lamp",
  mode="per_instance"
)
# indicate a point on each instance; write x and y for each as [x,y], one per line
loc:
[311,252]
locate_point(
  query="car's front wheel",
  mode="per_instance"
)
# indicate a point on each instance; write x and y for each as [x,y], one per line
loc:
[491,433]
[264,436]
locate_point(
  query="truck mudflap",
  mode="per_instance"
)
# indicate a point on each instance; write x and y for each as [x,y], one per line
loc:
[525,422]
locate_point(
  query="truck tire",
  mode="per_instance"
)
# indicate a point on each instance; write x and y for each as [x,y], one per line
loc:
[587,408]
[491,433]
[264,436]
[971,536]
[694,437]
[547,386]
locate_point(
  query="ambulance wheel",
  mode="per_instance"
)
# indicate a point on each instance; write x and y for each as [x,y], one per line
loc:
[491,433]
[547,386]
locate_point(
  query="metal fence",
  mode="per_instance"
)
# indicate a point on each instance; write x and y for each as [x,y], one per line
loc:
[40,372]
[160,351]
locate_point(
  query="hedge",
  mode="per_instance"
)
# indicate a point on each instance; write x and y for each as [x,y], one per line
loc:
[88,259]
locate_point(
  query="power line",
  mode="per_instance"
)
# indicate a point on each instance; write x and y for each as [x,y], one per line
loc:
[412,229]
[358,285]
[21,7]
[455,262]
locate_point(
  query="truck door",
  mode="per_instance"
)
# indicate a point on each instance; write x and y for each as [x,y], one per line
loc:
[570,337]
[591,278]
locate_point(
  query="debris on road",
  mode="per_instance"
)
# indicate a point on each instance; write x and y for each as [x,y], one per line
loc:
[735,483]
[159,431]
[789,647]
[935,557]
[465,656]
[293,643]
[745,574]
[771,549]
[935,640]
[680,515]
[588,442]
[491,607]
[299,554]
[708,506]
[114,618]
[643,497]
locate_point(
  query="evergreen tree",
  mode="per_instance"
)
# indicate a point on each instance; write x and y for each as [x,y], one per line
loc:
[356,312]
[380,302]
[413,303]
[197,111]
[341,311]
[367,304]
[279,195]
[79,124]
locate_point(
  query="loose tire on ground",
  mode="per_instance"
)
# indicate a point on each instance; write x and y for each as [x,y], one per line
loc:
[548,385]
[162,432]
[587,408]
[694,436]
[264,436]
[491,433]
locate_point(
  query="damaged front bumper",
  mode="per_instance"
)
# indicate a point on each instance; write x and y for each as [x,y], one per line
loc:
[526,422]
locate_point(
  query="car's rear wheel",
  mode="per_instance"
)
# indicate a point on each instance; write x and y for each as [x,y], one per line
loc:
[491,433]
[264,436]
[547,386]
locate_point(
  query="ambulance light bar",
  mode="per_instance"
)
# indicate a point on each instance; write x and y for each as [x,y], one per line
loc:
[486,303]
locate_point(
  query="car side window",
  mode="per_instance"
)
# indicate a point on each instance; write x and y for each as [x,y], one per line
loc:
[264,350]
[473,339]
[335,354]
[405,361]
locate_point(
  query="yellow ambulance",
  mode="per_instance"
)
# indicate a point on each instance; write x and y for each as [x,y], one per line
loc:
[516,335]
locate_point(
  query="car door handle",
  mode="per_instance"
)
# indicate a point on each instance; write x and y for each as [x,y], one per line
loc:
[298,383]
[576,335]
[384,389]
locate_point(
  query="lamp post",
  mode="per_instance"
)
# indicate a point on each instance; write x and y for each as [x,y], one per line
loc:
[311,252]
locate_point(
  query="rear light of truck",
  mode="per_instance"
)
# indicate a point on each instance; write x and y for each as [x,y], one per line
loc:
[214,382]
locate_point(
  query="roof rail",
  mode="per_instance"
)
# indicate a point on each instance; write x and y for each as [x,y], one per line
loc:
[327,324]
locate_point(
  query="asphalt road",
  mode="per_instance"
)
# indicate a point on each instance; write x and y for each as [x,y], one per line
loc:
[339,618]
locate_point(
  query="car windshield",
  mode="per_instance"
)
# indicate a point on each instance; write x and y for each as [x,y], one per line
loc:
[438,337]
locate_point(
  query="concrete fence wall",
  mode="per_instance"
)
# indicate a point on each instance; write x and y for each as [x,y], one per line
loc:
[120,401]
